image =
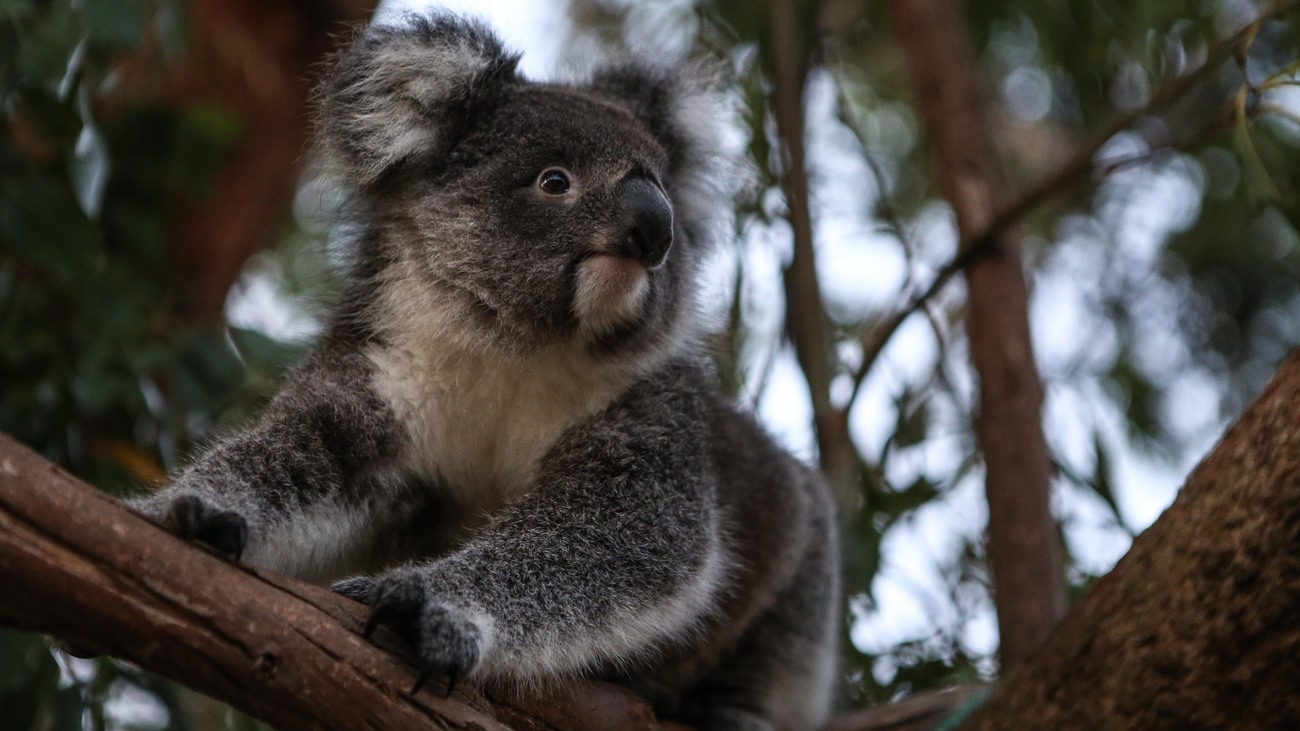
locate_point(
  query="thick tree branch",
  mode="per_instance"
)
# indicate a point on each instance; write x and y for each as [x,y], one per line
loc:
[1198,626]
[78,565]
[1023,542]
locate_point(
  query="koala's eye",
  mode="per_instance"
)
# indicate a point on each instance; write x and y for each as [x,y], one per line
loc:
[553,181]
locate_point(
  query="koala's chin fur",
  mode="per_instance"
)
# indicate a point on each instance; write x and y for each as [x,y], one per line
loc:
[508,442]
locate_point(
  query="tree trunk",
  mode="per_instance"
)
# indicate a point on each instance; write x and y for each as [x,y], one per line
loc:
[76,564]
[1198,626]
[1024,550]
[790,43]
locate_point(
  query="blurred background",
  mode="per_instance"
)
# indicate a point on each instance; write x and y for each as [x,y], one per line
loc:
[165,254]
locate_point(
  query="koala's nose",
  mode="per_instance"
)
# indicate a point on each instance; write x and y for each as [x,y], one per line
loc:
[648,220]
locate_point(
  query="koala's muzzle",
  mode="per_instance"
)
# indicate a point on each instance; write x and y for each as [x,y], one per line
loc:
[648,221]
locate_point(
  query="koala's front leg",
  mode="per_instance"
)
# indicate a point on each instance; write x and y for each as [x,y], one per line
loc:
[289,493]
[448,638]
[616,550]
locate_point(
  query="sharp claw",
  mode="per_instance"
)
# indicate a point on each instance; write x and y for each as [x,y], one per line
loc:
[376,616]
[419,681]
[241,540]
[185,516]
[452,676]
[380,612]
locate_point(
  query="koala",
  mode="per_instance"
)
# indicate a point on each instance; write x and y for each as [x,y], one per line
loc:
[508,441]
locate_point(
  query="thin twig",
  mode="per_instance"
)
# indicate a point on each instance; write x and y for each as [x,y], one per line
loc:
[874,340]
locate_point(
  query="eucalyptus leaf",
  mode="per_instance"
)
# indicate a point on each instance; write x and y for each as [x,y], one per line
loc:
[90,170]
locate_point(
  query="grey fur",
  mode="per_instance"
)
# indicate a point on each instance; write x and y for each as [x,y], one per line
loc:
[507,437]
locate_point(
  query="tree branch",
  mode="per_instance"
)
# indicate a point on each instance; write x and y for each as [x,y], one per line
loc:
[1077,167]
[919,712]
[79,565]
[809,328]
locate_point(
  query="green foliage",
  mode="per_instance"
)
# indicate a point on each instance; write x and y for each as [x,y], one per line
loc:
[30,694]
[92,359]
[96,370]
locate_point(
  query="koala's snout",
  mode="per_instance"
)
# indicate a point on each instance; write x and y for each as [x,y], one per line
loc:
[648,218]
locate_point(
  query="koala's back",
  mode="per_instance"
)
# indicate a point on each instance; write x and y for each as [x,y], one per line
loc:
[786,523]
[775,629]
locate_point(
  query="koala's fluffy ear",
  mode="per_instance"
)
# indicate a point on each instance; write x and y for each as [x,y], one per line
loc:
[406,92]
[678,104]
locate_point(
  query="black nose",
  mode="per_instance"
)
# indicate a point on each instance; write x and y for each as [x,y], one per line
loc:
[648,222]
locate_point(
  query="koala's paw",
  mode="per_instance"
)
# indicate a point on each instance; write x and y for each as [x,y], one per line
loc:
[225,530]
[445,638]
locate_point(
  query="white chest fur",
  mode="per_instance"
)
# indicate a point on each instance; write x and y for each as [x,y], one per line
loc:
[478,423]
[478,420]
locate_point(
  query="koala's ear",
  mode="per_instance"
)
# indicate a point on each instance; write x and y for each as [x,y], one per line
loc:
[675,103]
[406,92]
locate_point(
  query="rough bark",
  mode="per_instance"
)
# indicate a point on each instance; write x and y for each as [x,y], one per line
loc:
[78,565]
[1198,626]
[1023,544]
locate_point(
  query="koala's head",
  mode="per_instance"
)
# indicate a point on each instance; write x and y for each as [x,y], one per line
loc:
[529,213]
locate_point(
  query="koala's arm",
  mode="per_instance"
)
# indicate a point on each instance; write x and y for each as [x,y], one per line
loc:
[296,491]
[617,548]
